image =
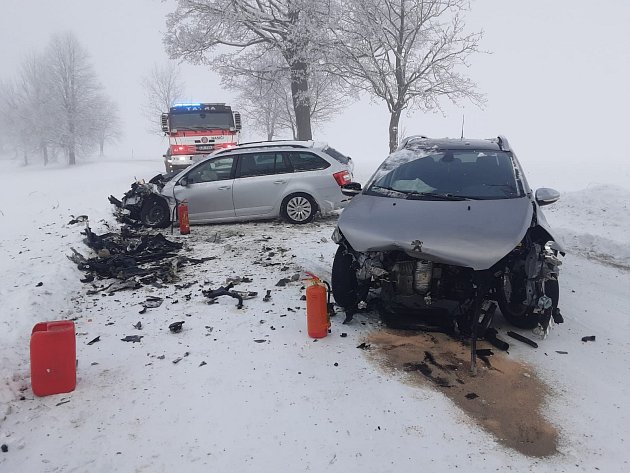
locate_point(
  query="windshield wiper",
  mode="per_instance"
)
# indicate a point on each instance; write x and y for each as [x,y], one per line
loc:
[387,191]
[434,196]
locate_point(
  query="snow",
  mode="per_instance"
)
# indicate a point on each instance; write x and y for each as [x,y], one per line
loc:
[281,405]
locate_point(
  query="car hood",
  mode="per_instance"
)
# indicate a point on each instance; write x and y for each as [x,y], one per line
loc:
[471,233]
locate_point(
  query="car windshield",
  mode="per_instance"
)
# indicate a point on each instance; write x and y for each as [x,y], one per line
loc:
[201,120]
[447,175]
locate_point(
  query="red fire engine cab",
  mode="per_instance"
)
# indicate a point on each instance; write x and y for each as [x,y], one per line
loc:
[196,129]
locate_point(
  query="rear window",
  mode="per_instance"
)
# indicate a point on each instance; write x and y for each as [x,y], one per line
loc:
[307,162]
[336,155]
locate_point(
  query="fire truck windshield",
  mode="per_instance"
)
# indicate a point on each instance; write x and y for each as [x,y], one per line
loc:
[201,121]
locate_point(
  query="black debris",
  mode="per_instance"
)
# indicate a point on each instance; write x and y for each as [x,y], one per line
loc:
[364,346]
[283,282]
[185,285]
[203,363]
[472,396]
[224,291]
[428,356]
[132,338]
[290,309]
[177,360]
[62,402]
[176,327]
[335,364]
[87,278]
[562,352]
[260,341]
[39,284]
[152,302]
[78,219]
[484,352]
[521,338]
[303,297]
[343,335]
[94,340]
[142,311]
[491,336]
[138,325]
[589,338]
[267,297]
[557,316]
[4,448]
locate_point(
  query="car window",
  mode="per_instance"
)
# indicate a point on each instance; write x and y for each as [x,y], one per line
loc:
[218,169]
[307,161]
[282,164]
[333,153]
[461,173]
[262,164]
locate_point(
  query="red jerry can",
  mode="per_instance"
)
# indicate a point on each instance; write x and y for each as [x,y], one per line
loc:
[53,358]
[182,214]
[317,319]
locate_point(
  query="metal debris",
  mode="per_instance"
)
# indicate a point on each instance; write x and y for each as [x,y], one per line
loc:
[589,338]
[521,338]
[132,338]
[176,327]
[94,340]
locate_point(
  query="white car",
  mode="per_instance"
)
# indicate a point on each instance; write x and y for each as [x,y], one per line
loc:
[289,179]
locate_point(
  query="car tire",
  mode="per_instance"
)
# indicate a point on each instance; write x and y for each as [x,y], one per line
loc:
[345,287]
[520,315]
[298,208]
[155,213]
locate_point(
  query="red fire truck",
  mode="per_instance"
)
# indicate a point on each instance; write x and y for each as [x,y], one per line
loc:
[197,129]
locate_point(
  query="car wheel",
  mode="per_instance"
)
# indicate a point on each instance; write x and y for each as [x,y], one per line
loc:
[299,208]
[155,213]
[509,298]
[345,287]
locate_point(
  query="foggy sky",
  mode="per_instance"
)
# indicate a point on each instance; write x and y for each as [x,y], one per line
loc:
[556,81]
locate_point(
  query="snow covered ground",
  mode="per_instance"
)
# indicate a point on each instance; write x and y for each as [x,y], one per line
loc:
[288,403]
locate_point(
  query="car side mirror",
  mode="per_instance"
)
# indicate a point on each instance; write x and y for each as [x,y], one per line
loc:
[184,181]
[351,189]
[546,196]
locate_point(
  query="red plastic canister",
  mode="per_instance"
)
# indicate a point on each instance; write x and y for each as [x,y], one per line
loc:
[53,358]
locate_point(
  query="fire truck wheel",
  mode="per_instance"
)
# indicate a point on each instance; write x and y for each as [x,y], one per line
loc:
[155,213]
[298,208]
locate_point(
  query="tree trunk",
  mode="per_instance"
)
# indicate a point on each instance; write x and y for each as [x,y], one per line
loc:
[45,153]
[72,160]
[394,119]
[25,158]
[301,101]
[101,145]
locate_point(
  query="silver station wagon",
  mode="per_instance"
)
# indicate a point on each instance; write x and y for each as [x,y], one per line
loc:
[290,179]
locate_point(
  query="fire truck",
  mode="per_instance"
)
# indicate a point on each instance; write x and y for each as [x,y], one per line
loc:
[195,130]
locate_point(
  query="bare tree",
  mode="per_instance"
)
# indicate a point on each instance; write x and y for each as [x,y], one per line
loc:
[106,123]
[163,87]
[264,82]
[295,29]
[405,52]
[74,90]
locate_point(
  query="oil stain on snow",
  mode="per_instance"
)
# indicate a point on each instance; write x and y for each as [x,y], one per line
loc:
[506,397]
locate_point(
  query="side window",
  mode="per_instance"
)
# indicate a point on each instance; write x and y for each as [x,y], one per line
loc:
[261,164]
[283,165]
[307,162]
[218,169]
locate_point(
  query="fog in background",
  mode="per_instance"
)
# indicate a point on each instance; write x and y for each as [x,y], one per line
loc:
[556,82]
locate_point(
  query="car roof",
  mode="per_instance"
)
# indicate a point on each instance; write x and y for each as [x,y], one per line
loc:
[421,142]
[283,144]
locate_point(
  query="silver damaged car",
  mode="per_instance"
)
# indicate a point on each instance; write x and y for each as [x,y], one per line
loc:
[442,233]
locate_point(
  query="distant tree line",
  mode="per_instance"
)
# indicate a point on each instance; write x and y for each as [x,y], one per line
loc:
[55,104]
[297,62]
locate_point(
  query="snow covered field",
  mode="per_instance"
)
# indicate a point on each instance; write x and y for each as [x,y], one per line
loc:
[252,392]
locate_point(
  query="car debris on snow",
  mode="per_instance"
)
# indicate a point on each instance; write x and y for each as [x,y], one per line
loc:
[589,338]
[138,325]
[176,327]
[94,340]
[521,338]
[132,338]
[79,219]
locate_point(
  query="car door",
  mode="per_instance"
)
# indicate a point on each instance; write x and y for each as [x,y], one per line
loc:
[208,189]
[260,182]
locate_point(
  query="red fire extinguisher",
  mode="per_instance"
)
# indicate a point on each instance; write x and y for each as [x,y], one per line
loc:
[317,314]
[182,214]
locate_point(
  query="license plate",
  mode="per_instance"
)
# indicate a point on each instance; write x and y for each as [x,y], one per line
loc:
[205,147]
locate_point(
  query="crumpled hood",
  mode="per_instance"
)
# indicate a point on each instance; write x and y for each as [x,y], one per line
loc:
[470,233]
